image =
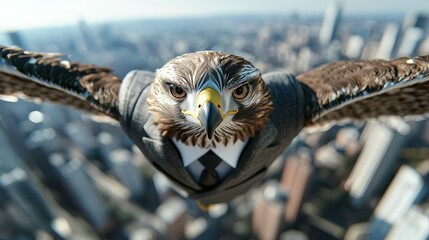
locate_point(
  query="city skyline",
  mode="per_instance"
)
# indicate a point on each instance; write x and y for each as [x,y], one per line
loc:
[22,14]
[90,182]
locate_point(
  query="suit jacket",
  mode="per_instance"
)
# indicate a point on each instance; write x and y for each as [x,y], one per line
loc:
[285,122]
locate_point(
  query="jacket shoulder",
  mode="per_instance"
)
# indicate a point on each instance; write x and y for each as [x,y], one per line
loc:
[289,103]
[135,89]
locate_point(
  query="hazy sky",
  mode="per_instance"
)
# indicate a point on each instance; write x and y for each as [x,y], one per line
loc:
[18,14]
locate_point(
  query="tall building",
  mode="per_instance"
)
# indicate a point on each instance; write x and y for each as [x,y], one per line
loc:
[23,202]
[331,21]
[75,179]
[120,162]
[295,178]
[414,29]
[383,142]
[5,39]
[79,133]
[396,202]
[89,36]
[268,213]
[389,41]
[354,47]
[9,156]
[416,20]
[411,39]
[173,212]
[414,225]
[16,38]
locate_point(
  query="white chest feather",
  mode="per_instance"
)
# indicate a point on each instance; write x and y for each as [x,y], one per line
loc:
[229,153]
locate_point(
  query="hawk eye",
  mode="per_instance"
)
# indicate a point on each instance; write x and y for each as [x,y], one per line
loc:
[241,92]
[177,92]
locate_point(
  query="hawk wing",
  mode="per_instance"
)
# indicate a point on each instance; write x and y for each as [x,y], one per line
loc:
[366,89]
[47,77]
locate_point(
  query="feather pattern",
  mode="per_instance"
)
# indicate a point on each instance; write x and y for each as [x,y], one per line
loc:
[49,77]
[221,71]
[367,89]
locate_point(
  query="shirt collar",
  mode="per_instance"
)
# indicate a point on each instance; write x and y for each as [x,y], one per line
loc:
[229,153]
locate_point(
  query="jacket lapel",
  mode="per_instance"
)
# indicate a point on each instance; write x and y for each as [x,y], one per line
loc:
[169,157]
[251,161]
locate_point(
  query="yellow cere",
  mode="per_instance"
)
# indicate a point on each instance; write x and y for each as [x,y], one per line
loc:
[210,95]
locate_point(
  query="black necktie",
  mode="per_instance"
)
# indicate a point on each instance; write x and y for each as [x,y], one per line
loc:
[209,177]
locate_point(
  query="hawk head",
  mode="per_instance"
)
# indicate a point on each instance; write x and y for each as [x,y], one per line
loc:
[208,98]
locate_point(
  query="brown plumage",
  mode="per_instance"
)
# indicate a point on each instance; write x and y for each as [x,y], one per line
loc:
[190,71]
[13,83]
[368,89]
[212,98]
[50,78]
[335,91]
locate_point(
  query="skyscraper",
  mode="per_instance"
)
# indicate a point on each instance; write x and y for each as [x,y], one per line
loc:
[74,177]
[25,205]
[414,225]
[269,211]
[296,175]
[389,41]
[16,39]
[378,158]
[396,202]
[330,24]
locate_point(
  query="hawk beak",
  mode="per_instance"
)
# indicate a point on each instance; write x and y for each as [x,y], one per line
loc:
[210,118]
[209,110]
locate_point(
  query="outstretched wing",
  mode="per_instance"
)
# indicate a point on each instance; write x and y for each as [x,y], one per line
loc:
[50,78]
[367,89]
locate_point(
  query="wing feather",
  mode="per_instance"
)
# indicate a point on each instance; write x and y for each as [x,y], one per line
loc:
[49,77]
[14,83]
[367,89]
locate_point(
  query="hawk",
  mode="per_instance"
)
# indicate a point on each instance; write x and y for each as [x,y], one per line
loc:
[210,121]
